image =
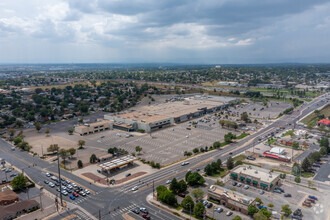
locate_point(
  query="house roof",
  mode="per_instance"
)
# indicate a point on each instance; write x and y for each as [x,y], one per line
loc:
[12,209]
[8,195]
[324,121]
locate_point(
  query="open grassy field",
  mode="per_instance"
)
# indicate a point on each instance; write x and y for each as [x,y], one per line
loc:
[311,93]
[312,118]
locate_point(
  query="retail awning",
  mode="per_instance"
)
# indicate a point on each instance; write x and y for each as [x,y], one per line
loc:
[264,185]
[233,174]
[255,182]
[248,180]
[242,178]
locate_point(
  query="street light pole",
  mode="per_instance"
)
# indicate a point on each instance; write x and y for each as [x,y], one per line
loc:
[40,197]
[59,174]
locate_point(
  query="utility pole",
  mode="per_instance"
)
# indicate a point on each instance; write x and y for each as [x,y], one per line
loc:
[153,189]
[40,198]
[59,174]
[99,214]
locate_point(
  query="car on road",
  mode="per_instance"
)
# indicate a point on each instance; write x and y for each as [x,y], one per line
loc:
[184,163]
[287,195]
[145,215]
[144,210]
[72,197]
[229,213]
[231,153]
[219,210]
[246,186]
[168,181]
[135,188]
[102,136]
[136,210]
[46,181]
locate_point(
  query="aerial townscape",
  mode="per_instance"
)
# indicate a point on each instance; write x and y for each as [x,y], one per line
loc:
[164,110]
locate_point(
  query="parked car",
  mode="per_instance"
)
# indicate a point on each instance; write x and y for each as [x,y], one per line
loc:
[75,194]
[312,197]
[168,181]
[46,181]
[72,197]
[64,192]
[13,175]
[145,215]
[311,200]
[219,210]
[246,186]
[128,174]
[287,195]
[239,184]
[205,203]
[277,191]
[261,192]
[182,195]
[234,183]
[229,213]
[250,158]
[209,205]
[47,174]
[87,191]
[282,190]
[51,184]
[82,193]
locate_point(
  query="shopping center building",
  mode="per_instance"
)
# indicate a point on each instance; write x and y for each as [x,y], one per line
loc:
[255,176]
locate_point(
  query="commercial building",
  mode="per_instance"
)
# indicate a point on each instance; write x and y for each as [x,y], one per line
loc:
[91,128]
[230,199]
[325,122]
[255,176]
[117,163]
[157,116]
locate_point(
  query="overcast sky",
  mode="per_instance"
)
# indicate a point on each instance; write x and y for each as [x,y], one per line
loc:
[181,31]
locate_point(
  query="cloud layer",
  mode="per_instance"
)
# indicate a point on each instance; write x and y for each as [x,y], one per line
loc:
[193,31]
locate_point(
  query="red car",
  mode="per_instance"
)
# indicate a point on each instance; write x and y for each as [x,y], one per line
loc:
[182,195]
[145,215]
[75,194]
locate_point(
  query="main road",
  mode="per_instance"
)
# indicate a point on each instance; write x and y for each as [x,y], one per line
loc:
[111,203]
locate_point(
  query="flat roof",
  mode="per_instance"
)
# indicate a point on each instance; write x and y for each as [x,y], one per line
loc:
[94,124]
[117,162]
[231,194]
[139,116]
[262,174]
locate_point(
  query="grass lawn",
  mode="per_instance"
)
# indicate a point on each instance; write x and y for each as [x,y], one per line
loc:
[220,173]
[289,132]
[307,174]
[239,157]
[312,118]
[241,136]
[271,141]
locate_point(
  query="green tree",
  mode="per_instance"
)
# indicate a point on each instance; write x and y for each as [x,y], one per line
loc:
[195,150]
[296,170]
[259,200]
[237,217]
[216,145]
[295,145]
[197,193]
[238,162]
[229,137]
[93,158]
[63,154]
[252,210]
[270,205]
[70,131]
[286,209]
[138,149]
[80,164]
[199,209]
[188,203]
[306,164]
[297,179]
[52,148]
[219,163]
[37,125]
[12,132]
[195,179]
[47,131]
[19,182]
[17,140]
[266,213]
[323,151]
[259,216]
[230,163]
[187,174]
[174,186]
[324,142]
[245,117]
[182,186]
[81,144]
[71,151]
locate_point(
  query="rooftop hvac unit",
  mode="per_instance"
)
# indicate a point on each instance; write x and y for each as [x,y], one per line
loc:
[256,171]
[250,167]
[244,168]
[270,176]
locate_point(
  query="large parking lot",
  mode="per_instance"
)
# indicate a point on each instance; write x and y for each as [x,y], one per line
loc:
[163,146]
[259,110]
